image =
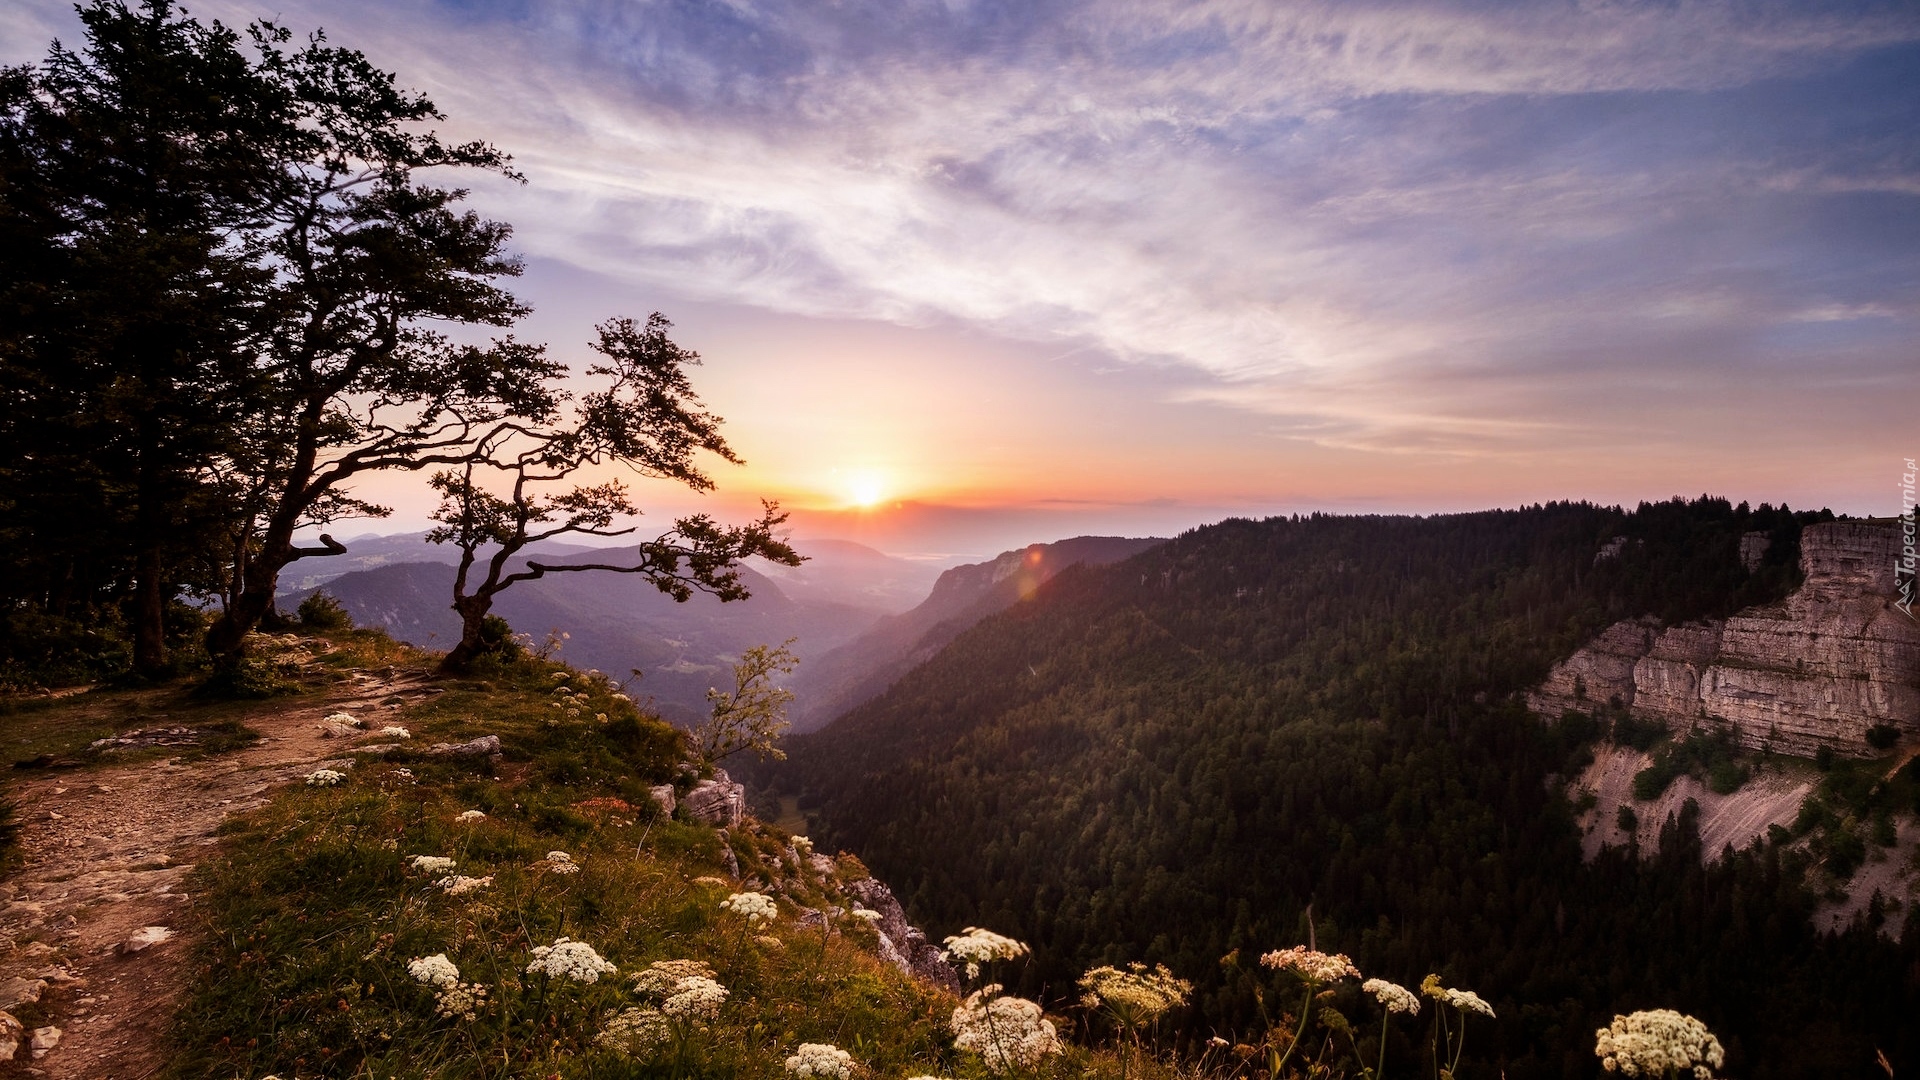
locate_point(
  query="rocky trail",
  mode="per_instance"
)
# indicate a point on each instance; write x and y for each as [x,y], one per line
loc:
[95,932]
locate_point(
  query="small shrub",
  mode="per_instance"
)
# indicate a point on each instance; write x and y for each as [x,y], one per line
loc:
[1652,782]
[322,612]
[245,679]
[1727,776]
[1627,819]
[1882,736]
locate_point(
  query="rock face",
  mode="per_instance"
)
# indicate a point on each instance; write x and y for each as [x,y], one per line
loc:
[1819,669]
[905,945]
[718,801]
[1599,672]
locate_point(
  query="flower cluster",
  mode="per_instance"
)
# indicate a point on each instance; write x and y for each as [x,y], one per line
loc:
[341,718]
[1463,1000]
[663,977]
[752,906]
[461,1001]
[1312,967]
[569,959]
[325,778]
[432,864]
[696,999]
[1392,996]
[468,817]
[559,862]
[975,946]
[435,970]
[460,885]
[634,1032]
[1134,997]
[1009,1032]
[395,731]
[1658,1042]
[821,1059]
[803,846]
[866,914]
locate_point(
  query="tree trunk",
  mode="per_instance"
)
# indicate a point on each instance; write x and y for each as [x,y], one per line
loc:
[473,613]
[149,614]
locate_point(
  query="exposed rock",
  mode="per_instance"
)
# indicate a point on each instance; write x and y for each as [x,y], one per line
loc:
[1831,661]
[1771,798]
[1610,550]
[143,939]
[718,801]
[43,1040]
[1666,681]
[134,740]
[907,944]
[335,729]
[1819,669]
[1599,672]
[12,1034]
[1753,549]
[663,797]
[484,746]
[17,992]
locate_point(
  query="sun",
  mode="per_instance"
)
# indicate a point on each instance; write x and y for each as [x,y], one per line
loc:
[865,490]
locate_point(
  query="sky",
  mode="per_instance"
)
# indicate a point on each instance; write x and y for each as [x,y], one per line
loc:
[967,275]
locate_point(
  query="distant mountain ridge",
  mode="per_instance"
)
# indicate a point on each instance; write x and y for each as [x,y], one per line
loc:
[852,673]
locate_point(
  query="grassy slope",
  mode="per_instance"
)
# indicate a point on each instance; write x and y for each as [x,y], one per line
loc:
[313,913]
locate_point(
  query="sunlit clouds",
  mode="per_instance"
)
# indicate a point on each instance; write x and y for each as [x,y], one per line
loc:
[1416,255]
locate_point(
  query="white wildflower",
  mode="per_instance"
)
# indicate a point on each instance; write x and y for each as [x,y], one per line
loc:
[558,676]
[569,959]
[663,977]
[468,817]
[572,713]
[622,697]
[1313,967]
[395,731]
[342,718]
[461,1001]
[867,914]
[1658,1042]
[325,778]
[432,864]
[635,1032]
[754,907]
[435,970]
[696,998]
[1392,996]
[976,946]
[803,845]
[559,862]
[821,1059]
[1009,1032]
[1468,1001]
[459,885]
[1135,997]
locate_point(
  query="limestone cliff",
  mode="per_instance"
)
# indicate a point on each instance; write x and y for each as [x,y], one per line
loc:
[1819,669]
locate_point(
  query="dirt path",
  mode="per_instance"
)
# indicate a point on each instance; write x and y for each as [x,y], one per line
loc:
[107,852]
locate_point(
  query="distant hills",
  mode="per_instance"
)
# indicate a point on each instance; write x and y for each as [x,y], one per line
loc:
[847,606]
[849,674]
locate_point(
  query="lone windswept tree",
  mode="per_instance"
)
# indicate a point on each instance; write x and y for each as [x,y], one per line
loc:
[647,419]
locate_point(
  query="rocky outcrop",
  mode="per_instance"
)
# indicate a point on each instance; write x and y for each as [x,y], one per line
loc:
[1599,672]
[718,801]
[1666,681]
[1820,669]
[1772,797]
[1753,550]
[902,943]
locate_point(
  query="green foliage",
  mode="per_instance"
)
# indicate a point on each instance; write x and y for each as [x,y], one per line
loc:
[753,715]
[1172,757]
[322,612]
[246,678]
[1703,755]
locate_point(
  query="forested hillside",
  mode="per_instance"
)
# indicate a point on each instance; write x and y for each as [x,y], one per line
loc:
[1179,755]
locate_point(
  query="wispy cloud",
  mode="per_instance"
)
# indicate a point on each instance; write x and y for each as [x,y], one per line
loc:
[1389,225]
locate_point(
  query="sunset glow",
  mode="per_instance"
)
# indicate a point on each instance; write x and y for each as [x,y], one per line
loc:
[1234,258]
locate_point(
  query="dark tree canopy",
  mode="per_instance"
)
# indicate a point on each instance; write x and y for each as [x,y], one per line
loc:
[237,266]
